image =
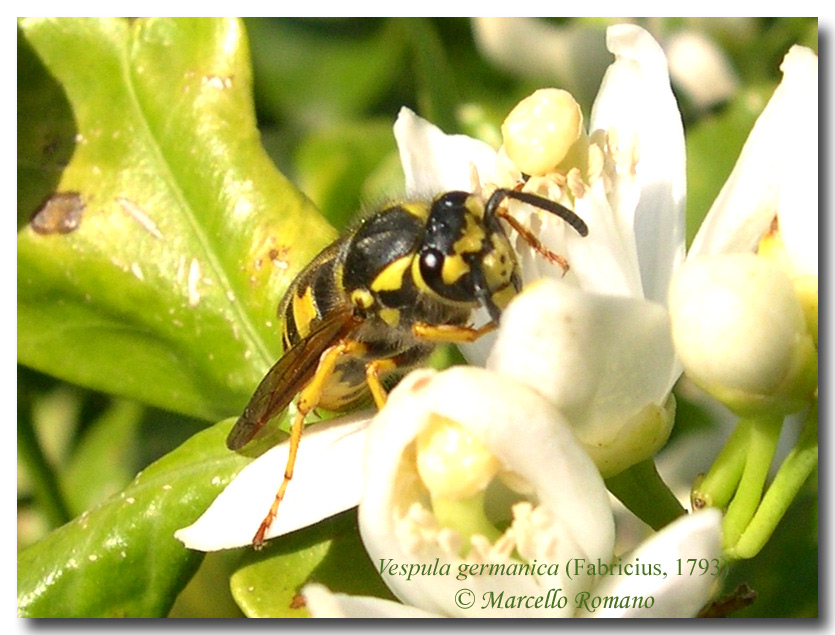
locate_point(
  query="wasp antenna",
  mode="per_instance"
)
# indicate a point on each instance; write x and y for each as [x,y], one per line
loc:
[542,203]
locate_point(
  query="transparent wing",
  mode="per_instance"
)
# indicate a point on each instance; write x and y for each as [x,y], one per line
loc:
[289,375]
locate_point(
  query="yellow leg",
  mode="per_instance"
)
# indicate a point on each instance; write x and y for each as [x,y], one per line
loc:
[308,399]
[450,332]
[372,376]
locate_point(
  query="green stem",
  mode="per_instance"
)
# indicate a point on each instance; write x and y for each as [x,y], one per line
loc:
[47,490]
[717,487]
[796,468]
[764,434]
[645,494]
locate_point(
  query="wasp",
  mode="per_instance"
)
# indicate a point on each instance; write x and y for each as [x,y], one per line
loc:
[381,297]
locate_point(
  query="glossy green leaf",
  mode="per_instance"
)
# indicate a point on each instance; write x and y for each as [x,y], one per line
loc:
[268,582]
[45,131]
[121,559]
[172,235]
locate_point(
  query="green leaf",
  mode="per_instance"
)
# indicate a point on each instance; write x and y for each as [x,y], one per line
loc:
[121,559]
[45,131]
[318,72]
[333,165]
[173,234]
[268,582]
[207,595]
[437,89]
[103,463]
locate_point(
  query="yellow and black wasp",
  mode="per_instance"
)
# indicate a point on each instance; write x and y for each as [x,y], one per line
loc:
[380,298]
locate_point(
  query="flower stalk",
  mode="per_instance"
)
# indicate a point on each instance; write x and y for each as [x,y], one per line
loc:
[717,486]
[764,432]
[798,465]
[642,490]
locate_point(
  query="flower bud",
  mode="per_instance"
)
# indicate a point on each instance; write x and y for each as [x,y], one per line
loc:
[741,333]
[607,363]
[806,288]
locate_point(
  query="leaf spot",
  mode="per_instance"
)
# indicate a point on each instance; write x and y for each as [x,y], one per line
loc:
[279,257]
[60,214]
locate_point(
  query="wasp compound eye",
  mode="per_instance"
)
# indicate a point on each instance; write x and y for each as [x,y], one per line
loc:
[431,264]
[453,200]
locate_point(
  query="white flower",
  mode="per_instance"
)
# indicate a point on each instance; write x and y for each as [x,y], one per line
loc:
[700,68]
[626,180]
[745,325]
[630,193]
[775,175]
[607,362]
[543,486]
[568,54]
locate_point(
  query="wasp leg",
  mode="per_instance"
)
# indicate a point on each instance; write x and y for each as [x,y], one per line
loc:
[308,399]
[533,241]
[402,361]
[450,332]
[372,377]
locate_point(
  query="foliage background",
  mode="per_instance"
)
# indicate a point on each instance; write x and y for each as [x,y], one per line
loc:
[131,356]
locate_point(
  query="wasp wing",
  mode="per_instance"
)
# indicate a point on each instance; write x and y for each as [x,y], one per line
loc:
[290,374]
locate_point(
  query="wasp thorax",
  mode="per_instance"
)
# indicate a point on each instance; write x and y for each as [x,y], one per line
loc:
[541,130]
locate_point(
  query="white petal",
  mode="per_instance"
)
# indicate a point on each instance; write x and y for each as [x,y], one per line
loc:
[697,536]
[798,202]
[322,603]
[606,362]
[436,162]
[524,432]
[605,261]
[780,152]
[636,100]
[327,480]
